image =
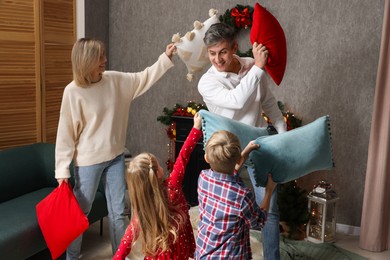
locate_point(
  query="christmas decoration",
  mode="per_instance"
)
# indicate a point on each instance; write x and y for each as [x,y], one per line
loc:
[294,215]
[291,120]
[322,207]
[178,110]
[239,18]
[265,29]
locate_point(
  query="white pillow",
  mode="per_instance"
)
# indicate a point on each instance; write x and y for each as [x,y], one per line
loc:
[191,49]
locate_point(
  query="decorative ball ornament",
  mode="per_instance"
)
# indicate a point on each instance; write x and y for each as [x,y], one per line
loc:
[191,48]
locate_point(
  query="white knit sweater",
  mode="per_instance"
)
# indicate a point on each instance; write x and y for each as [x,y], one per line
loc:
[93,120]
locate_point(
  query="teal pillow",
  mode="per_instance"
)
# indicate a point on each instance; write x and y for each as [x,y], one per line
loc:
[286,156]
[213,122]
[293,154]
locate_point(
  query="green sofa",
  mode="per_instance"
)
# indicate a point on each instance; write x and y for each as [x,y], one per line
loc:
[27,176]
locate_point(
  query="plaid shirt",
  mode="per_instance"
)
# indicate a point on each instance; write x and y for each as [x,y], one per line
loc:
[227,211]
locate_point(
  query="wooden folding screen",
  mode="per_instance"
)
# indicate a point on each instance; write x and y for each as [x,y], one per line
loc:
[35,44]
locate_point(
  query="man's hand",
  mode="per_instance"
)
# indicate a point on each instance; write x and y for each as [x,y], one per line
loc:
[270,184]
[260,54]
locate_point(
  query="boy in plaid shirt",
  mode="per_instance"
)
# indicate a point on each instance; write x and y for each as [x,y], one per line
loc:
[227,208]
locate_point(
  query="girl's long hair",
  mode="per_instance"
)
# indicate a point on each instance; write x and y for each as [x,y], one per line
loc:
[158,220]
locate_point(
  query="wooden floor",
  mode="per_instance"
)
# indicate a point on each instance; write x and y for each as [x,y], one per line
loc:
[97,247]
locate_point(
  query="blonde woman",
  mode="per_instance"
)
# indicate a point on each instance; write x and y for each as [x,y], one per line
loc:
[92,130]
[160,215]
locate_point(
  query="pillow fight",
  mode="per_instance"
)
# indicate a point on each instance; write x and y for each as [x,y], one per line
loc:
[235,90]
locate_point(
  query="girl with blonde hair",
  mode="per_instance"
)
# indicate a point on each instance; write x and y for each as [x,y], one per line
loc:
[159,209]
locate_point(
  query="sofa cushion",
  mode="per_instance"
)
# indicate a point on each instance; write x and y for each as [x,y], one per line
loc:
[25,169]
[19,226]
[27,174]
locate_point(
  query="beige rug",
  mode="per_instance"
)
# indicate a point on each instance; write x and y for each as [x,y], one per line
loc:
[256,245]
[99,247]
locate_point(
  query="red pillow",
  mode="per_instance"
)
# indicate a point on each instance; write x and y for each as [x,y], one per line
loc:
[267,30]
[61,219]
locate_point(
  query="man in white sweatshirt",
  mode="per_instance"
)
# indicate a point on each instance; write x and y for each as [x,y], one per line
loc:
[237,88]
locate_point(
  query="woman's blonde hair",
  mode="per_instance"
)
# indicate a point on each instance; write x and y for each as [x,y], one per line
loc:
[223,151]
[85,56]
[158,220]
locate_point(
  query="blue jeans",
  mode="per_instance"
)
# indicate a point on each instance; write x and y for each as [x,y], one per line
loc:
[271,232]
[87,179]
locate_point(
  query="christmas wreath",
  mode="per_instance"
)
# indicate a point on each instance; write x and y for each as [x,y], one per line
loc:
[239,18]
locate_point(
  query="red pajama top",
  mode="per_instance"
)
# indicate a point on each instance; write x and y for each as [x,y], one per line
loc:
[185,244]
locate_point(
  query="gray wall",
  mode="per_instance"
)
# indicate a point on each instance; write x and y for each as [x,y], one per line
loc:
[333,49]
[97,22]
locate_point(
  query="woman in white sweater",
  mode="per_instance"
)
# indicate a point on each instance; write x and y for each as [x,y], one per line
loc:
[92,129]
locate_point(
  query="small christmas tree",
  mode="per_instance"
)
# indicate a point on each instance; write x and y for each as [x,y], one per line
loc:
[293,209]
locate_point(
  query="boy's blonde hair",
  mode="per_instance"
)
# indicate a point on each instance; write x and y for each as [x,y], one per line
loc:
[223,151]
[85,57]
[156,217]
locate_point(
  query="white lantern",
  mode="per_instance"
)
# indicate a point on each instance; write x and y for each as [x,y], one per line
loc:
[322,207]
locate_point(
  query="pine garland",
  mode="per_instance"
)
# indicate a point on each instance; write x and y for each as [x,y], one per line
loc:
[291,120]
[180,110]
